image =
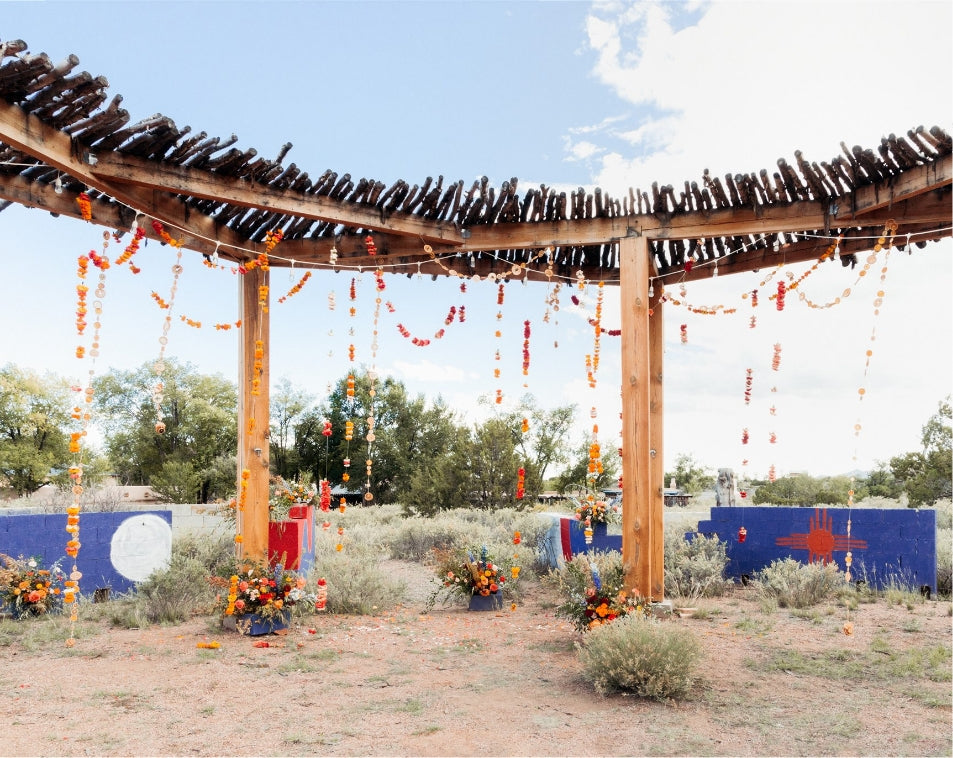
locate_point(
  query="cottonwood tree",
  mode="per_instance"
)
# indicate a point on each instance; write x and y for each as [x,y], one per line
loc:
[926,475]
[34,428]
[200,417]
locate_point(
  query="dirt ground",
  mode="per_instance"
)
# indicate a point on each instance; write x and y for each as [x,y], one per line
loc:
[456,682]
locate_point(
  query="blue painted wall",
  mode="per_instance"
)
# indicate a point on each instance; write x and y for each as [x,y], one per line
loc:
[44,536]
[887,545]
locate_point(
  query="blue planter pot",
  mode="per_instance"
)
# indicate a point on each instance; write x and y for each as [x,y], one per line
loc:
[253,625]
[486,602]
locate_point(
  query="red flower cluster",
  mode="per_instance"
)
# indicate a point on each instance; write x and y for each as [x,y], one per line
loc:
[526,332]
[780,298]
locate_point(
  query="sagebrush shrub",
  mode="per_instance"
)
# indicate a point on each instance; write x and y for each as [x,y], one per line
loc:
[641,655]
[694,568]
[799,585]
[944,561]
[356,583]
[176,593]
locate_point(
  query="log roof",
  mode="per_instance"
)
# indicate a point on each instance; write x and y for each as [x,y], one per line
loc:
[61,134]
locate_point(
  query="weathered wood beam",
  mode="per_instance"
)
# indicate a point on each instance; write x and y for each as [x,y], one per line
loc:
[656,483]
[118,168]
[638,524]
[27,133]
[253,418]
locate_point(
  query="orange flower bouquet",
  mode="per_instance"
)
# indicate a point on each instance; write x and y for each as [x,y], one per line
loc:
[27,589]
[463,573]
[257,594]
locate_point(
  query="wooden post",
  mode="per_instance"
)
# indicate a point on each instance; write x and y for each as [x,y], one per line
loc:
[656,448]
[637,501]
[253,420]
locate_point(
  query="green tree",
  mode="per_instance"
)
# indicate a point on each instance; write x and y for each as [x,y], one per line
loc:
[200,417]
[405,431]
[34,423]
[493,464]
[544,444]
[440,478]
[690,476]
[808,491]
[926,475]
[286,408]
[576,475]
[881,482]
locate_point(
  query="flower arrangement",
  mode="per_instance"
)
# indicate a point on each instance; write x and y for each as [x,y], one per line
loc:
[282,499]
[27,589]
[285,496]
[591,511]
[593,597]
[462,574]
[269,594]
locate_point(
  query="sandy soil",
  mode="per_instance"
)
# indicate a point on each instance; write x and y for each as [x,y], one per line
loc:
[455,682]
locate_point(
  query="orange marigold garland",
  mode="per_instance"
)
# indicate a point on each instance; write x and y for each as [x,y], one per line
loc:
[138,233]
[85,206]
[297,288]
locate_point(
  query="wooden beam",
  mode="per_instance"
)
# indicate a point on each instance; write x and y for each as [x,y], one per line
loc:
[117,168]
[656,483]
[253,419]
[637,549]
[25,132]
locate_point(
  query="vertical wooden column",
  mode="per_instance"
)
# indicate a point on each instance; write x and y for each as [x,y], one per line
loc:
[637,525]
[253,400]
[656,443]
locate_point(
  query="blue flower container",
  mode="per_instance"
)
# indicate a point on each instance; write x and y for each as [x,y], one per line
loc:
[492,602]
[253,625]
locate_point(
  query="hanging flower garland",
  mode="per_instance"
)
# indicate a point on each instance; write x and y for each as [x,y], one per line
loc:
[452,314]
[296,288]
[500,294]
[85,206]
[75,470]
[138,233]
[159,365]
[526,356]
[520,483]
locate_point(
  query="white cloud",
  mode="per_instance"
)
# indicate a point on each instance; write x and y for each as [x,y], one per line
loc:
[753,82]
[428,372]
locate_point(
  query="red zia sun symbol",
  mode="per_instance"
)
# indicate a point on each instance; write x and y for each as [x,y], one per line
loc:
[820,542]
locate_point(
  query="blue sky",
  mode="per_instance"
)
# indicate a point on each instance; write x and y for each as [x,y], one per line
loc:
[565,94]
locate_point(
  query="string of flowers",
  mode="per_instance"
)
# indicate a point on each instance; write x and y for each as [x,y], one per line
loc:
[499,335]
[85,206]
[159,365]
[592,364]
[296,288]
[452,314]
[138,234]
[71,584]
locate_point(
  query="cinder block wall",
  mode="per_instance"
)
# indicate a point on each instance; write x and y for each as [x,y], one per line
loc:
[887,545]
[118,549]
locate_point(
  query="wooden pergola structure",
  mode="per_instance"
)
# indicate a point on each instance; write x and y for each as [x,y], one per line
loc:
[60,135]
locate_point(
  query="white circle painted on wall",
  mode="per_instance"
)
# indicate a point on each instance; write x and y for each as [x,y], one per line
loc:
[140,545]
